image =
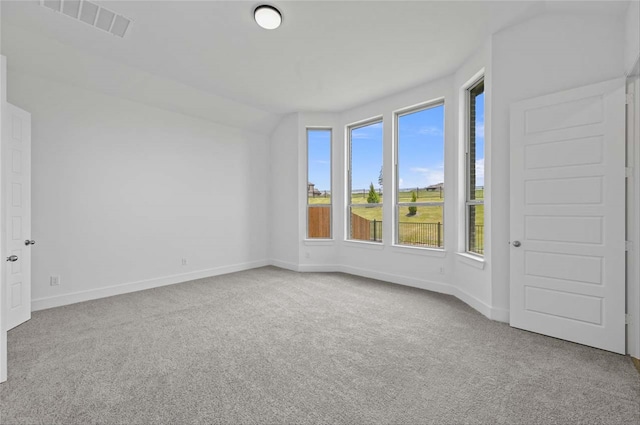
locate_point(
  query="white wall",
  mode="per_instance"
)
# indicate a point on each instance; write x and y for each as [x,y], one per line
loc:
[632,36]
[282,187]
[471,276]
[541,56]
[123,191]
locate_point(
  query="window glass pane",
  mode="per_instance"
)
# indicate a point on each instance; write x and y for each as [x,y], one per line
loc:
[365,223]
[476,228]
[420,147]
[476,143]
[319,183]
[366,163]
[421,226]
[475,171]
[421,155]
[365,183]
[319,166]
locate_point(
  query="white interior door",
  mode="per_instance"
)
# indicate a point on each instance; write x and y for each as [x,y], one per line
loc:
[568,215]
[16,201]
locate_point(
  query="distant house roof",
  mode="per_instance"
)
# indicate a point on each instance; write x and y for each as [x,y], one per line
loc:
[436,186]
[311,189]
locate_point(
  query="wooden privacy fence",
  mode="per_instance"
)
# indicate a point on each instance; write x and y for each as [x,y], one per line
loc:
[319,222]
[365,230]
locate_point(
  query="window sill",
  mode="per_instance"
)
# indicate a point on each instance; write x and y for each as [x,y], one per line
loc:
[366,245]
[414,250]
[318,242]
[471,260]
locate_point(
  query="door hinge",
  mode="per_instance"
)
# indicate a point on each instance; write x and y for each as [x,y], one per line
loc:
[628,245]
[627,319]
[628,172]
[629,99]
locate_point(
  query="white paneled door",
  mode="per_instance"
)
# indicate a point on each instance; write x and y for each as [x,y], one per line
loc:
[568,215]
[16,211]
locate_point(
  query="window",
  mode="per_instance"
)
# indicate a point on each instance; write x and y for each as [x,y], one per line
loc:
[475,170]
[364,183]
[420,177]
[318,183]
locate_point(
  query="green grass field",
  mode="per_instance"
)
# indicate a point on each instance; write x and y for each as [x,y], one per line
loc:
[430,214]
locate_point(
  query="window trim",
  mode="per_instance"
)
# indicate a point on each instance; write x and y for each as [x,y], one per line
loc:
[440,101]
[330,204]
[349,130]
[468,88]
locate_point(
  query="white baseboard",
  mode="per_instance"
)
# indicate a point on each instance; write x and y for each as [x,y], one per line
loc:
[475,303]
[500,314]
[284,264]
[443,288]
[327,268]
[124,288]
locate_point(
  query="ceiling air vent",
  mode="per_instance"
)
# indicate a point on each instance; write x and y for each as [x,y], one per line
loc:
[92,14]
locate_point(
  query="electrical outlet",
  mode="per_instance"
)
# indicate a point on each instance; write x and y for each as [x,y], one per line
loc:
[441,270]
[54,280]
[307,255]
[184,261]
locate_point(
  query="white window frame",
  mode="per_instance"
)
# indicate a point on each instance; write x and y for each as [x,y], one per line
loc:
[396,116]
[330,204]
[349,205]
[467,171]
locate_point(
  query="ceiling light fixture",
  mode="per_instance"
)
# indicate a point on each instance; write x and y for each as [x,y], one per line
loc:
[268,17]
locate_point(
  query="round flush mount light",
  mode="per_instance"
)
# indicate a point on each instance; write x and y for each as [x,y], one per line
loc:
[268,17]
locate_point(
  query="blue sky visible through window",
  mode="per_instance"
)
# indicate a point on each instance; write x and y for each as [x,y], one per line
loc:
[366,156]
[320,159]
[421,148]
[480,140]
[420,152]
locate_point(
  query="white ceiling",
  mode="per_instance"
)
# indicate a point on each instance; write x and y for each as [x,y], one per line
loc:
[327,56]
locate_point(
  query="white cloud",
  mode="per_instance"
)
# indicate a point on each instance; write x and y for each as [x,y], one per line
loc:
[480,130]
[423,177]
[431,131]
[356,135]
[480,172]
[321,161]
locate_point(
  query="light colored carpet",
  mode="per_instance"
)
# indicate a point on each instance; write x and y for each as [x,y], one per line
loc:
[270,346]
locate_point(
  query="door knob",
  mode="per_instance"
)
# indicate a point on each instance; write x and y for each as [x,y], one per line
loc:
[12,258]
[516,243]
[29,242]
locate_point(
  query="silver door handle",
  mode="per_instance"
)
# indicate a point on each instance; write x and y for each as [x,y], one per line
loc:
[29,242]
[12,258]
[516,243]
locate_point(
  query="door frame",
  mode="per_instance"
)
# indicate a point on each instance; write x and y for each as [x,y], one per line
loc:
[3,322]
[633,210]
